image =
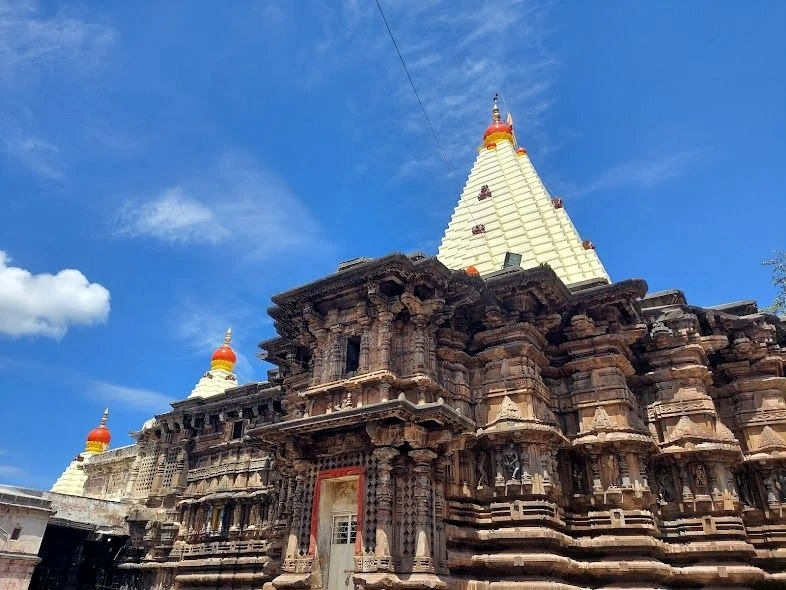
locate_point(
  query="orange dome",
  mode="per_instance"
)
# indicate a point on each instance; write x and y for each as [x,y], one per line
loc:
[471,270]
[98,438]
[498,130]
[100,434]
[498,127]
[224,357]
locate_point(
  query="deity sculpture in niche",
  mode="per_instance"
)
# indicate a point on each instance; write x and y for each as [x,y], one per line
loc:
[745,488]
[699,476]
[578,476]
[480,459]
[512,461]
[665,479]
[610,470]
[779,483]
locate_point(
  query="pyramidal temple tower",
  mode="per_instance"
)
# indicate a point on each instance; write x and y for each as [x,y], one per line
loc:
[506,217]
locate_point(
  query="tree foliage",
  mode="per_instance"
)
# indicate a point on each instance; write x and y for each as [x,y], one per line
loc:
[778,265]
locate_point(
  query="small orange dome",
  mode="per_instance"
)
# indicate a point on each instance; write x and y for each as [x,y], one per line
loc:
[471,270]
[521,151]
[98,439]
[498,127]
[100,434]
[224,357]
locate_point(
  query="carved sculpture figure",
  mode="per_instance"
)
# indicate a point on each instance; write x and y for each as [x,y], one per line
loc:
[480,460]
[699,477]
[745,488]
[578,476]
[512,461]
[610,470]
[779,482]
[666,490]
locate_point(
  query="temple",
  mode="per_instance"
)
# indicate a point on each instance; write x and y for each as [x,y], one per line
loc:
[500,416]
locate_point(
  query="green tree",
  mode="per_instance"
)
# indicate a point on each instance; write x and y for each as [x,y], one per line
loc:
[778,265]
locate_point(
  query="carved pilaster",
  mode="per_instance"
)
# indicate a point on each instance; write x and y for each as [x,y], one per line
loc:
[384,535]
[423,561]
[385,320]
[597,485]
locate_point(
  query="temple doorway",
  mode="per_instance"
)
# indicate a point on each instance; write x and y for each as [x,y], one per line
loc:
[338,531]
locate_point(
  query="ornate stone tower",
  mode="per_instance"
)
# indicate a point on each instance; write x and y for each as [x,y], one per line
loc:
[506,217]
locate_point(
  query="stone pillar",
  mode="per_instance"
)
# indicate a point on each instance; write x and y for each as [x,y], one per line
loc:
[712,473]
[769,486]
[419,344]
[385,320]
[365,346]
[384,534]
[237,517]
[499,468]
[687,494]
[336,356]
[423,561]
[297,511]
[440,545]
[622,459]
[597,485]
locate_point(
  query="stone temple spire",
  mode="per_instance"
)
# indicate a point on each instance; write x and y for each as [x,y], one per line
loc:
[72,480]
[220,376]
[506,217]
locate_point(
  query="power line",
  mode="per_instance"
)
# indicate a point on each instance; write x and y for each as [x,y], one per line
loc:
[451,168]
[415,90]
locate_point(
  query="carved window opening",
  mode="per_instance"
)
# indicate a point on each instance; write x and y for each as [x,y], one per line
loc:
[237,430]
[245,515]
[423,292]
[352,358]
[479,229]
[512,260]
[485,192]
[16,533]
[391,288]
[226,518]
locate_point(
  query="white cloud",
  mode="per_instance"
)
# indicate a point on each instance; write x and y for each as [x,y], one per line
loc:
[29,39]
[235,201]
[46,304]
[201,328]
[459,54]
[37,155]
[111,394]
[174,217]
[641,174]
[10,471]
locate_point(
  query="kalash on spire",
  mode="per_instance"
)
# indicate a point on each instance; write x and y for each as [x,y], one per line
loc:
[220,376]
[506,217]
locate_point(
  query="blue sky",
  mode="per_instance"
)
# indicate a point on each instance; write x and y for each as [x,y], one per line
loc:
[187,160]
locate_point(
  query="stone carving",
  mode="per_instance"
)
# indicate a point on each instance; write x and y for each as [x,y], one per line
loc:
[601,419]
[666,490]
[508,410]
[610,470]
[512,461]
[771,439]
[480,462]
[699,477]
[578,476]
[746,489]
[779,483]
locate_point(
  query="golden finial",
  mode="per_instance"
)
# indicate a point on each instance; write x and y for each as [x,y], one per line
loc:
[104,417]
[495,110]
